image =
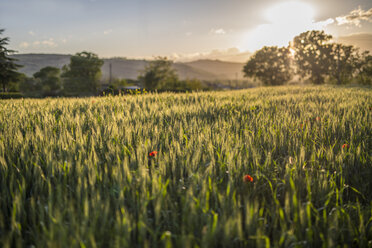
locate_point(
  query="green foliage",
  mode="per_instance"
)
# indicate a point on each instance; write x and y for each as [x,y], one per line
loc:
[344,63]
[10,95]
[14,85]
[185,85]
[158,74]
[76,172]
[8,67]
[271,65]
[192,85]
[46,82]
[313,55]
[82,75]
[118,83]
[364,69]
[49,78]
[30,87]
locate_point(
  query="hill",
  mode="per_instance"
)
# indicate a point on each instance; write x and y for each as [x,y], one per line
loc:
[34,62]
[229,70]
[131,68]
[361,40]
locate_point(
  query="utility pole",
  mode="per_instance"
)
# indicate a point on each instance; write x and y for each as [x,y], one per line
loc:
[236,80]
[110,73]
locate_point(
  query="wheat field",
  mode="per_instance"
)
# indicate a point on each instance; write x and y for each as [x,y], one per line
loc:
[265,167]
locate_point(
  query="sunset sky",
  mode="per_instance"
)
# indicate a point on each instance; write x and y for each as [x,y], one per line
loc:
[175,28]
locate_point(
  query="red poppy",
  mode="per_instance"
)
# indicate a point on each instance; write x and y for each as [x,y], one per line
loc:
[317,118]
[153,153]
[345,146]
[247,178]
[301,125]
[92,101]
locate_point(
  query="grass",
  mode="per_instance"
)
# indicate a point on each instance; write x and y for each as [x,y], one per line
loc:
[76,172]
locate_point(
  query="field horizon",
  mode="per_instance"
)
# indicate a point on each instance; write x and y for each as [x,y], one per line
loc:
[127,68]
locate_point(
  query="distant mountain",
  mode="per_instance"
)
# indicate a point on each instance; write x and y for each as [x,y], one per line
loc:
[361,40]
[122,68]
[228,70]
[34,62]
[131,68]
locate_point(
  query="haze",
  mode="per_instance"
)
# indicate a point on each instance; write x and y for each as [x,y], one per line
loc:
[181,30]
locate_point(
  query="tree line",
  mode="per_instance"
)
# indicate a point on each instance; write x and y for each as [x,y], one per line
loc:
[81,77]
[313,56]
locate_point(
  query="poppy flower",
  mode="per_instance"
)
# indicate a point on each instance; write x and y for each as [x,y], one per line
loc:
[317,118]
[93,101]
[247,178]
[153,153]
[345,146]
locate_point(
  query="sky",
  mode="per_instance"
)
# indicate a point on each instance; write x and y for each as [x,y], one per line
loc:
[179,29]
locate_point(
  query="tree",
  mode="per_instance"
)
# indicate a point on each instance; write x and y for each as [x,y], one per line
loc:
[271,65]
[344,60]
[364,68]
[8,67]
[30,87]
[14,85]
[158,74]
[313,55]
[117,83]
[46,82]
[49,80]
[81,76]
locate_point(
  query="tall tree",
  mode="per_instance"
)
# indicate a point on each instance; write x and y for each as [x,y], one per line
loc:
[49,79]
[8,67]
[271,65]
[81,76]
[364,68]
[344,60]
[158,74]
[313,55]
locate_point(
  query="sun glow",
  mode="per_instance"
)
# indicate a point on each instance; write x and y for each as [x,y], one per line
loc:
[290,14]
[284,21]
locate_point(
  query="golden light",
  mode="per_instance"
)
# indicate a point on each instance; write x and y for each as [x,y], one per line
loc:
[284,21]
[292,15]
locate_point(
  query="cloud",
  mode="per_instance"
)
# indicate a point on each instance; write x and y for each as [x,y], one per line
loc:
[355,17]
[49,43]
[219,31]
[322,24]
[24,44]
[45,43]
[108,31]
[32,33]
[188,34]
